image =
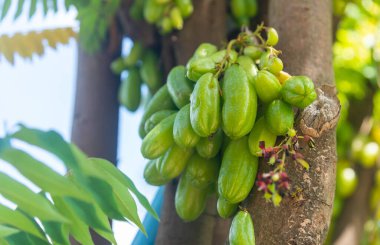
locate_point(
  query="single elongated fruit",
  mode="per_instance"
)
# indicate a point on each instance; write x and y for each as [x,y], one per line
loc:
[174,161]
[239,9]
[190,201]
[156,118]
[279,117]
[209,147]
[240,103]
[165,25]
[160,101]
[253,52]
[153,11]
[238,171]
[150,72]
[199,67]
[272,37]
[176,18]
[260,132]
[251,6]
[118,66]
[205,50]
[275,65]
[159,139]
[225,208]
[205,106]
[185,6]
[152,176]
[179,86]
[249,67]
[202,172]
[267,86]
[241,230]
[299,91]
[130,90]
[183,133]
[134,55]
[219,56]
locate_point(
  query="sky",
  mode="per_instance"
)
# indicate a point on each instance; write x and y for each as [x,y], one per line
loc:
[40,94]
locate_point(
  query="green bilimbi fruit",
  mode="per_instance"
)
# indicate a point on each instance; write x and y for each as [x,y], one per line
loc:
[134,55]
[225,208]
[239,11]
[275,65]
[118,66]
[163,1]
[156,118]
[152,176]
[150,72]
[260,133]
[205,50]
[185,6]
[190,201]
[205,106]
[220,55]
[174,161]
[209,147]
[241,230]
[165,25]
[253,52]
[299,91]
[249,67]
[272,37]
[160,101]
[251,6]
[238,171]
[267,86]
[264,59]
[240,103]
[179,86]
[130,90]
[279,117]
[159,139]
[176,18]
[199,67]
[202,172]
[183,132]
[153,11]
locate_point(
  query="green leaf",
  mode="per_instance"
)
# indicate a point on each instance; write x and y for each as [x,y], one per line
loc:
[28,201]
[24,238]
[7,231]
[20,6]
[5,9]
[107,235]
[58,232]
[68,4]
[33,8]
[3,242]
[126,181]
[303,163]
[41,175]
[18,220]
[55,6]
[45,7]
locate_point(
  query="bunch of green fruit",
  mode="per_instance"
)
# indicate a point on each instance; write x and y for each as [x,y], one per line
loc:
[208,123]
[141,66]
[243,10]
[165,14]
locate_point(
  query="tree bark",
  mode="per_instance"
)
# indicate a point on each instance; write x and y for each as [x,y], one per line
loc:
[305,30]
[206,24]
[96,111]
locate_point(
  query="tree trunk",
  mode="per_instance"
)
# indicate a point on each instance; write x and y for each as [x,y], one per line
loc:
[96,111]
[305,30]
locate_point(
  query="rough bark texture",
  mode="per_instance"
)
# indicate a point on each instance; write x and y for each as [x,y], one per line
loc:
[305,30]
[96,111]
[207,24]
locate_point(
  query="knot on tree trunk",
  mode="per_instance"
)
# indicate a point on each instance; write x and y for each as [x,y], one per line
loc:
[321,115]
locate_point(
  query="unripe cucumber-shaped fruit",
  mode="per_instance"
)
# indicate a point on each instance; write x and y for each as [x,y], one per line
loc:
[163,1]
[183,132]
[249,67]
[118,66]
[299,91]
[176,18]
[272,36]
[219,56]
[156,118]
[205,50]
[199,67]
[275,65]
[159,139]
[150,72]
[160,101]
[165,25]
[239,8]
[279,117]
[202,172]
[253,52]
[151,174]
[267,86]
[185,6]
[130,90]
[251,7]
[153,11]
[225,208]
[264,58]
[240,103]
[283,76]
[205,106]
[208,147]
[260,133]
[174,161]
[134,55]
[179,86]
[238,171]
[241,230]
[190,201]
